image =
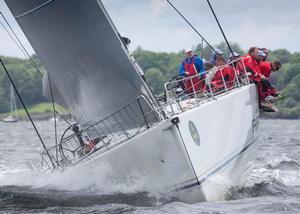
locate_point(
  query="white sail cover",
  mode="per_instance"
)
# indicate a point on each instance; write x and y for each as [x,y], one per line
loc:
[91,71]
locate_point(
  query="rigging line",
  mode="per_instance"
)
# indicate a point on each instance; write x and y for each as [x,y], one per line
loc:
[34,9]
[12,38]
[202,49]
[21,100]
[62,117]
[212,10]
[191,26]
[25,52]
[23,49]
[54,115]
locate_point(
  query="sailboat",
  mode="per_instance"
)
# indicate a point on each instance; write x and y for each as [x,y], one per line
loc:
[181,144]
[13,117]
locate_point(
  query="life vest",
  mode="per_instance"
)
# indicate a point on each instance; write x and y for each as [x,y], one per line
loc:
[265,68]
[189,66]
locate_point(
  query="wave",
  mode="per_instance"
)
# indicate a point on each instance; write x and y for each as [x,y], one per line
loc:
[284,165]
[271,188]
[41,198]
[278,178]
[101,178]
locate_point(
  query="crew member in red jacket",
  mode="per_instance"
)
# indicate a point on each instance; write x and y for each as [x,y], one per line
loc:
[224,74]
[251,62]
[265,69]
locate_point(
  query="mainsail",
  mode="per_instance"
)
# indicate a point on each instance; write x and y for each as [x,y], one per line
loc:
[91,71]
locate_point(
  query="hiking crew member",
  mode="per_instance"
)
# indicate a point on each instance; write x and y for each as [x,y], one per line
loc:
[251,62]
[191,66]
[265,69]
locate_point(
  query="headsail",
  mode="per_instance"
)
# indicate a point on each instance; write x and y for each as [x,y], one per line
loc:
[92,72]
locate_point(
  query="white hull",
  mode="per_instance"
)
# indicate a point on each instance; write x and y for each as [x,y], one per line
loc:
[169,158]
[166,154]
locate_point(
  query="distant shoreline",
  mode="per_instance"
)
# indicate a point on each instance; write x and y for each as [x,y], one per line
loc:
[34,116]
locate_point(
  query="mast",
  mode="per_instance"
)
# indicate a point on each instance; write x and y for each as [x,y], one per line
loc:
[13,105]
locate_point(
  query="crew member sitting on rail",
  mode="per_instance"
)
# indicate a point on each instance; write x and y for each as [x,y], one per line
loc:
[265,69]
[252,64]
[224,75]
[191,66]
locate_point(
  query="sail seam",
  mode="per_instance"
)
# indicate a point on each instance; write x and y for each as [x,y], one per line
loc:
[34,9]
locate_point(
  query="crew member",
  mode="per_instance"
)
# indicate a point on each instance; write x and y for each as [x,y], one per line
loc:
[265,69]
[233,61]
[224,74]
[266,52]
[216,54]
[251,62]
[192,66]
[76,130]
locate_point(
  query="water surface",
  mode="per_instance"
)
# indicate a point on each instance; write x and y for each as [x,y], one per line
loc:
[273,185]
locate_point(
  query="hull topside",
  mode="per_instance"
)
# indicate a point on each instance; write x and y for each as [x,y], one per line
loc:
[170,157]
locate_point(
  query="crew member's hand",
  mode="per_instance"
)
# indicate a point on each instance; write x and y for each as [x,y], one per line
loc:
[263,76]
[187,73]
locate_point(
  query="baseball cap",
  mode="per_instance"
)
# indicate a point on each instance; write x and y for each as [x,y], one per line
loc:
[261,53]
[187,50]
[218,51]
[235,54]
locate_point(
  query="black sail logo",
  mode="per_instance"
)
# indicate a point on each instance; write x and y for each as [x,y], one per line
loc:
[194,133]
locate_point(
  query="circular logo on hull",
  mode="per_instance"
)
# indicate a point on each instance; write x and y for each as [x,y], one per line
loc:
[194,133]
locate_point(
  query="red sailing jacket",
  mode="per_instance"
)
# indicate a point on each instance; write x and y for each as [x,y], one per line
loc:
[252,66]
[228,75]
[265,68]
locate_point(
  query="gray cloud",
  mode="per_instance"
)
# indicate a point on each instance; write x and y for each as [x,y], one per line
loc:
[270,23]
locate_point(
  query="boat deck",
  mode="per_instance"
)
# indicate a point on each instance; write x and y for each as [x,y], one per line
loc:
[98,137]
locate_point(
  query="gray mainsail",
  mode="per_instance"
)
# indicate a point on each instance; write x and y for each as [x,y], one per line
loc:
[90,69]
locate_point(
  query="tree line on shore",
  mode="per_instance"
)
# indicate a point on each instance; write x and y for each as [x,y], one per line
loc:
[159,68]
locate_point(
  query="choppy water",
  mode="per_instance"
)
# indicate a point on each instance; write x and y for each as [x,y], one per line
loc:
[273,185]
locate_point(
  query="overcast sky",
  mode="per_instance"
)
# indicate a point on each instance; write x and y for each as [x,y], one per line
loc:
[154,25]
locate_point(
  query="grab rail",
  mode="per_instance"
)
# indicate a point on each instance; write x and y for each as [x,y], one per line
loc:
[136,117]
[102,135]
[204,89]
